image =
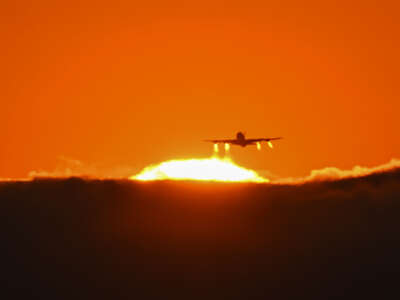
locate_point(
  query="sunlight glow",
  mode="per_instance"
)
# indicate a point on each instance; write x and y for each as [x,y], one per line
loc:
[208,169]
[270,145]
[258,146]
[216,150]
[227,147]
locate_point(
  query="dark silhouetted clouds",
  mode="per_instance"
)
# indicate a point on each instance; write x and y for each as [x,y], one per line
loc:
[83,238]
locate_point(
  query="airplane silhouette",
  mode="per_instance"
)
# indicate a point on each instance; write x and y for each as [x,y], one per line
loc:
[243,142]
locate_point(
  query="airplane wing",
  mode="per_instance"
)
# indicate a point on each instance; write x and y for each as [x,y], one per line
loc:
[221,141]
[264,140]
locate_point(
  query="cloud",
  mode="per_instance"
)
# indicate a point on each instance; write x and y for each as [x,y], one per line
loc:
[6,179]
[333,173]
[66,167]
[318,238]
[70,167]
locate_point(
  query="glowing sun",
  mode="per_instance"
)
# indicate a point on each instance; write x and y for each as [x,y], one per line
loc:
[208,169]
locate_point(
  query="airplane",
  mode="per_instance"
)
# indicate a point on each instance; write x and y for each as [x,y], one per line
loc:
[243,142]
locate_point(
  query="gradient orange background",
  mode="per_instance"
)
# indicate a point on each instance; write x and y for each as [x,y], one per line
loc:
[126,84]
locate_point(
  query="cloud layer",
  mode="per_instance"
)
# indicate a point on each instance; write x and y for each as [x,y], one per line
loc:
[335,239]
[68,167]
[333,173]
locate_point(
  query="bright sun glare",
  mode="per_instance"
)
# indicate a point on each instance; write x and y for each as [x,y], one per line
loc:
[207,169]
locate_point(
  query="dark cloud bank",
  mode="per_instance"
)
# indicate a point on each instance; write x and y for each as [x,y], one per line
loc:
[75,238]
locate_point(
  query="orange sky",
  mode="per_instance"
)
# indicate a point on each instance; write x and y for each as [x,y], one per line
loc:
[119,84]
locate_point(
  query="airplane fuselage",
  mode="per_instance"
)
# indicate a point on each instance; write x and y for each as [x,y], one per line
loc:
[241,140]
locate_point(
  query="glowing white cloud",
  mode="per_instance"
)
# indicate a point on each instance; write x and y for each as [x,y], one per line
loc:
[209,169]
